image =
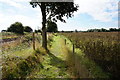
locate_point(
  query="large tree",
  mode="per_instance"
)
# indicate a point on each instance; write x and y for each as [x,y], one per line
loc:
[53,11]
[16,27]
[52,26]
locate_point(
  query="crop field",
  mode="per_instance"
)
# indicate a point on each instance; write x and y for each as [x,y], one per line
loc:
[101,47]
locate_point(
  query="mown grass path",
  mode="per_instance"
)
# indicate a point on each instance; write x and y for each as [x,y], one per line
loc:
[58,47]
[54,63]
[63,48]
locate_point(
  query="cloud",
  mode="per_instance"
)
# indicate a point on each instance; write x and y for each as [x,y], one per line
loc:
[20,11]
[102,10]
[11,3]
[26,21]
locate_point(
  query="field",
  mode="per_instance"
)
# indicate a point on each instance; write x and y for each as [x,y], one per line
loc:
[71,55]
[101,47]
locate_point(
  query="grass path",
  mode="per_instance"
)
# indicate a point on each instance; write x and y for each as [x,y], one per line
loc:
[54,63]
[58,47]
[64,51]
[59,63]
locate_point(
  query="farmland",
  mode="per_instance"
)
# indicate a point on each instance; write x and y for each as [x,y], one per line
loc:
[101,47]
[95,55]
[59,39]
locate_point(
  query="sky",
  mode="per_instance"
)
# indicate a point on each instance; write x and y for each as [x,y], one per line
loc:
[91,14]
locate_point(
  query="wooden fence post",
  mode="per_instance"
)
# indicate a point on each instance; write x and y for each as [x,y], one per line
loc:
[33,41]
[73,48]
[65,41]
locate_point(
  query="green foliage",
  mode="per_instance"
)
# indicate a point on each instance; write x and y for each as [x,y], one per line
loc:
[38,31]
[57,10]
[53,11]
[20,68]
[16,27]
[51,26]
[114,29]
[24,68]
[28,29]
[104,30]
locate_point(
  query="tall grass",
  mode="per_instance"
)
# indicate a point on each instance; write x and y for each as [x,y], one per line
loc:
[102,48]
[17,67]
[23,60]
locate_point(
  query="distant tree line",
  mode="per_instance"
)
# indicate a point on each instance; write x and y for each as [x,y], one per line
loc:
[104,30]
[18,28]
[93,30]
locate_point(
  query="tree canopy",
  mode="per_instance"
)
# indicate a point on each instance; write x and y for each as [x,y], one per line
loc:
[16,27]
[28,29]
[53,11]
[52,26]
[57,10]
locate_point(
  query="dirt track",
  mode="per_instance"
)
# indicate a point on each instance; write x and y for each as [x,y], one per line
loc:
[7,40]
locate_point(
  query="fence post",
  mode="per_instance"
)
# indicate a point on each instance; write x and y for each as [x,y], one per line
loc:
[65,41]
[33,41]
[73,48]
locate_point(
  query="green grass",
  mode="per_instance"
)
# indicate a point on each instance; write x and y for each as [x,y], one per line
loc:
[58,47]
[37,64]
[20,50]
[60,62]
[51,68]
[54,64]
[23,53]
[23,65]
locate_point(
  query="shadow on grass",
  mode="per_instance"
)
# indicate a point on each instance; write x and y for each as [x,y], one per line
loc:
[72,65]
[57,62]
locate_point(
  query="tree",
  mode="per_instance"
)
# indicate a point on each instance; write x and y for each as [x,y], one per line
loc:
[53,11]
[112,29]
[36,31]
[76,30]
[16,27]
[118,29]
[103,30]
[28,29]
[4,31]
[51,26]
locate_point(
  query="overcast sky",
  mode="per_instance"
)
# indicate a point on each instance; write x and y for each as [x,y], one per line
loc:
[91,14]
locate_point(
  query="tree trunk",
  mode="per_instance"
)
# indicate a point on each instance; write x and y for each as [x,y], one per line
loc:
[44,33]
